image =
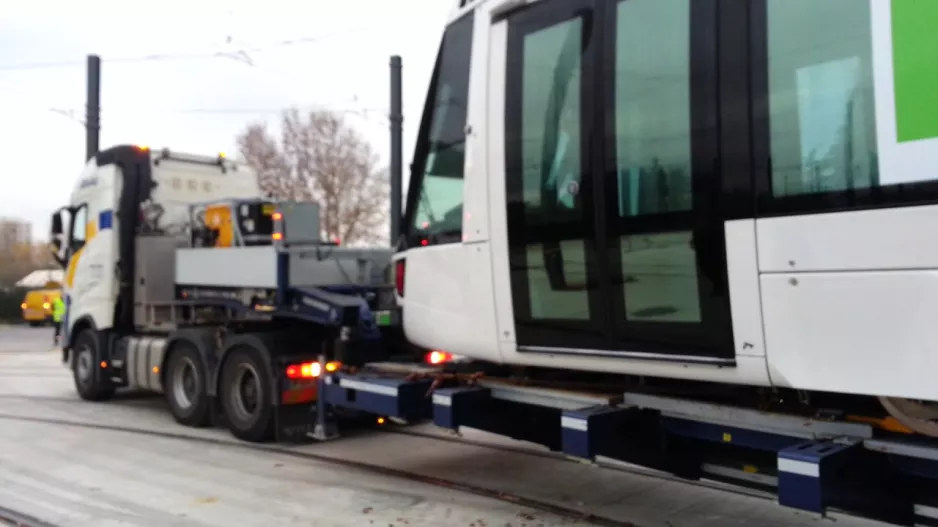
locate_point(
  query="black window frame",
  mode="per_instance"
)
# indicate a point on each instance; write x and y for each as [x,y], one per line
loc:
[711,339]
[712,335]
[531,331]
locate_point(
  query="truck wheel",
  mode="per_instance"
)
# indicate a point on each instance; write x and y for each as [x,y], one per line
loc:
[84,369]
[184,387]
[245,394]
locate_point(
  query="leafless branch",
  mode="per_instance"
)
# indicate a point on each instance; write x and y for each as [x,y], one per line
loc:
[320,157]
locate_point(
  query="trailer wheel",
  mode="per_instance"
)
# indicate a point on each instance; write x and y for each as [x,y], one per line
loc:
[89,385]
[185,384]
[245,394]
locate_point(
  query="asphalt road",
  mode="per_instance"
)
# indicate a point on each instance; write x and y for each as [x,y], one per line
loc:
[76,474]
[19,339]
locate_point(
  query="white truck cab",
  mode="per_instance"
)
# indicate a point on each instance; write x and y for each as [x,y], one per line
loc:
[124,191]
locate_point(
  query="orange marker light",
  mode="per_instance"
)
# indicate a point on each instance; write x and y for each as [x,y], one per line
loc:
[277,216]
[277,236]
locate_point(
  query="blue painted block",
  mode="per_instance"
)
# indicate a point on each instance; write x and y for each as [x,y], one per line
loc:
[584,431]
[377,395]
[806,473]
[455,407]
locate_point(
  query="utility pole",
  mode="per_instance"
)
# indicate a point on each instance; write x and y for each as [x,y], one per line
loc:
[93,108]
[397,132]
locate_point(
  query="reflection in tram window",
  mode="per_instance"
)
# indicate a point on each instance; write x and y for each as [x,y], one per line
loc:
[558,301]
[822,117]
[557,277]
[653,132]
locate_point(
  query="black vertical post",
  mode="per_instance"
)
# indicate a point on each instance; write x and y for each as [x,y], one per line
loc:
[93,107]
[397,132]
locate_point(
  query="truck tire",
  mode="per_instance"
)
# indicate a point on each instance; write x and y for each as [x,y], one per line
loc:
[245,394]
[185,386]
[90,385]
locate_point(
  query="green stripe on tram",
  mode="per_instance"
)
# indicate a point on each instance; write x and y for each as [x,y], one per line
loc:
[915,62]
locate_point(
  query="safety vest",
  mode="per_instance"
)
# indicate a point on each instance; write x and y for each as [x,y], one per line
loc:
[58,309]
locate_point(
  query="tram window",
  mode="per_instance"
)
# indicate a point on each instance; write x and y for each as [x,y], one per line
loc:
[551,170]
[438,214]
[653,107]
[822,122]
[654,158]
[551,122]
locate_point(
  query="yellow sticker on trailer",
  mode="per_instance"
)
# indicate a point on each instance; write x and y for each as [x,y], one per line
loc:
[268,209]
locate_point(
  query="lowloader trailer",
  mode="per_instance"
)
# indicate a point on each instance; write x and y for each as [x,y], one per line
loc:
[814,464]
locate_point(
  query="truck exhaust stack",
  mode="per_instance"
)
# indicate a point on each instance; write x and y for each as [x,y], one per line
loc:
[93,107]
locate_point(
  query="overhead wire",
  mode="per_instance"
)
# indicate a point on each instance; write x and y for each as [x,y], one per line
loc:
[376,115]
[239,54]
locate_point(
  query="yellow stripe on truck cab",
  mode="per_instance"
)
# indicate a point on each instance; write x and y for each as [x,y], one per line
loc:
[92,226]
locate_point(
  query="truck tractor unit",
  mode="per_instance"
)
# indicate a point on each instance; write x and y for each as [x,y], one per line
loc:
[181,279]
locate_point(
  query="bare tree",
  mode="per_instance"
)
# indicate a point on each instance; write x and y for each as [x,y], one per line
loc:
[20,260]
[320,157]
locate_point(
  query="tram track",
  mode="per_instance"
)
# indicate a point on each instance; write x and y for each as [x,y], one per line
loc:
[437,437]
[12,518]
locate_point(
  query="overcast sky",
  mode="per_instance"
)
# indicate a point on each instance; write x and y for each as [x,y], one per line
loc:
[197,90]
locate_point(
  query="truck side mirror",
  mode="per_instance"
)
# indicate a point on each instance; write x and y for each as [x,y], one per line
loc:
[57,237]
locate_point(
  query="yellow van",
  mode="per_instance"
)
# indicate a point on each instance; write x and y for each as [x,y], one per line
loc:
[37,306]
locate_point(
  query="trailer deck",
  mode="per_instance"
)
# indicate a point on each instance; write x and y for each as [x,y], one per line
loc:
[811,464]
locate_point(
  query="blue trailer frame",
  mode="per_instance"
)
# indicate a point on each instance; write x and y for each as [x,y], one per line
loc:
[812,465]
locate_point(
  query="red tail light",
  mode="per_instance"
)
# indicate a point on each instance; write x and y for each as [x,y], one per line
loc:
[438,357]
[305,370]
[310,370]
[399,277]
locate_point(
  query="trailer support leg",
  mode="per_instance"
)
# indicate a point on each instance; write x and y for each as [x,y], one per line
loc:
[324,429]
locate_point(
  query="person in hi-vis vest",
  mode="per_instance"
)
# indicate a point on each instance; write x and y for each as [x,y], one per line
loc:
[58,312]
